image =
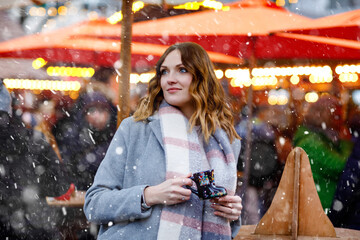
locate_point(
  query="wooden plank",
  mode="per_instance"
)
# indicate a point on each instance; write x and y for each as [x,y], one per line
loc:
[295,216]
[75,201]
[247,233]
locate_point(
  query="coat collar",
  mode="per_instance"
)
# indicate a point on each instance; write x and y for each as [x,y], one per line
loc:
[154,123]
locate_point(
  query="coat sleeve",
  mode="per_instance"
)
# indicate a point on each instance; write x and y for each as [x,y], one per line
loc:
[107,201]
[236,225]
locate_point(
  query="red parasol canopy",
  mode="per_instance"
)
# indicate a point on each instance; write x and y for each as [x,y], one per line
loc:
[249,28]
[343,25]
[339,31]
[80,44]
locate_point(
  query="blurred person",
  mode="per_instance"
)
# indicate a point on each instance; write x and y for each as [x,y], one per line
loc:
[136,93]
[23,105]
[263,166]
[345,209]
[282,119]
[85,137]
[183,125]
[320,137]
[29,171]
[46,119]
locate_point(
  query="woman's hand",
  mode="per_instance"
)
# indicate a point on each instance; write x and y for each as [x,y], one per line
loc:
[169,192]
[228,207]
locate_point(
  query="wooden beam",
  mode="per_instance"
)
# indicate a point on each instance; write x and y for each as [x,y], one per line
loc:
[125,61]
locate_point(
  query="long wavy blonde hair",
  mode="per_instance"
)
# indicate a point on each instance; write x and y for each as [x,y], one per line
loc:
[208,95]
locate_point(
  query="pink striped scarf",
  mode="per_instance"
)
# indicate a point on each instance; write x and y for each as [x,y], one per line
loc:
[186,152]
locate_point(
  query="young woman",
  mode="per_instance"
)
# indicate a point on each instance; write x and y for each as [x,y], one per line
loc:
[182,126]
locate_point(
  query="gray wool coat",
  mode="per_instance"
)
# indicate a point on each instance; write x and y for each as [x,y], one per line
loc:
[135,159]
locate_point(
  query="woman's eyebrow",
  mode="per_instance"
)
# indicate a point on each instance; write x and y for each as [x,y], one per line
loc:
[178,65]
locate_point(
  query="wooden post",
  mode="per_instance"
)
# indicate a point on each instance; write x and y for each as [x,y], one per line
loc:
[125,61]
[295,216]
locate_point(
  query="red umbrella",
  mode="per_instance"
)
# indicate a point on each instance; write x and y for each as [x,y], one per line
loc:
[80,44]
[229,32]
[343,25]
[336,35]
[248,29]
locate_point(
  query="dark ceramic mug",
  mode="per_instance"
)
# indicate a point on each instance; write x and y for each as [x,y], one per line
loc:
[205,183]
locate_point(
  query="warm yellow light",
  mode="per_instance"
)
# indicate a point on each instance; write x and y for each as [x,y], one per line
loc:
[38,63]
[192,6]
[137,6]
[74,94]
[294,79]
[237,73]
[348,77]
[229,73]
[33,84]
[52,11]
[70,72]
[320,78]
[239,77]
[118,16]
[146,77]
[347,68]
[219,74]
[289,71]
[115,18]
[282,100]
[264,81]
[206,3]
[311,97]
[41,11]
[328,78]
[134,78]
[272,99]
[212,4]
[62,10]
[225,8]
[277,97]
[280,3]
[33,11]
[267,76]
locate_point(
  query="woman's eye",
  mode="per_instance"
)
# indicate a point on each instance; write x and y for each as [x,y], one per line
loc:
[183,70]
[163,72]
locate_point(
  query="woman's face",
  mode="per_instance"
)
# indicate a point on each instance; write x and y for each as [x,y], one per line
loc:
[175,82]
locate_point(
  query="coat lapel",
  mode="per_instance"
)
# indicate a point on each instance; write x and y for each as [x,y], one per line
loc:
[155,126]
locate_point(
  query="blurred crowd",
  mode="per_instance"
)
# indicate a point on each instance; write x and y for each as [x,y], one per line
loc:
[48,143]
[328,131]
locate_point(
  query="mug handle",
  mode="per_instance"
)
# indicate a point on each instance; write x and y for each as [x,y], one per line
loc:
[192,189]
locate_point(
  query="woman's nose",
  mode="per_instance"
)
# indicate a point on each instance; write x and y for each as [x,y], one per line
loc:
[171,78]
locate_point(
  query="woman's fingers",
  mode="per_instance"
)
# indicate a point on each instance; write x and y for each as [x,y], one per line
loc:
[228,199]
[226,212]
[171,191]
[229,207]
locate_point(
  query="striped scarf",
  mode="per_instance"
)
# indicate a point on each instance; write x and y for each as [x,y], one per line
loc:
[186,152]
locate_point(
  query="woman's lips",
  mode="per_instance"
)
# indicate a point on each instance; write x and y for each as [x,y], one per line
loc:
[173,90]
